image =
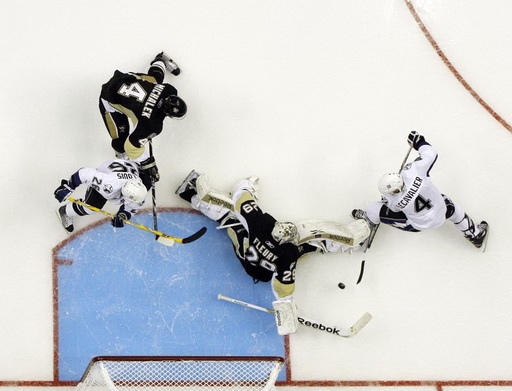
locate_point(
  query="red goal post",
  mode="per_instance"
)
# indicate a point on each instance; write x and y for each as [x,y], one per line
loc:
[159,373]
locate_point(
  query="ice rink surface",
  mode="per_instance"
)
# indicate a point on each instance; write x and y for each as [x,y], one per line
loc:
[316,98]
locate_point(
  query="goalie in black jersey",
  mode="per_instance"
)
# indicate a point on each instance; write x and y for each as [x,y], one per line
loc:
[133,107]
[267,249]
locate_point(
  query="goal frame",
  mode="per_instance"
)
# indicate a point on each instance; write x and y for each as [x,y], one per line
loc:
[264,385]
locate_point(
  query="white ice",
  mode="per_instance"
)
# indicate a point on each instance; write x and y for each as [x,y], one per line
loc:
[315,97]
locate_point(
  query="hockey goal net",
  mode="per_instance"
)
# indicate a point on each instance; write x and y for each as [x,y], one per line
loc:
[181,373]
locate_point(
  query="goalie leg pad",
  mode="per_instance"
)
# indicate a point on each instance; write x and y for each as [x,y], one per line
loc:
[210,210]
[286,316]
[359,229]
[211,196]
[320,230]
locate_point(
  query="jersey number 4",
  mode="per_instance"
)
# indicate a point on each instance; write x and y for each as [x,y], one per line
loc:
[134,90]
[421,203]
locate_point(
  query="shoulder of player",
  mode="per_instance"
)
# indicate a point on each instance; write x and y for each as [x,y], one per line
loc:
[427,150]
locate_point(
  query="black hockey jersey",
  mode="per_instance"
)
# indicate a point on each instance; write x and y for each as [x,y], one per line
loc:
[138,96]
[264,255]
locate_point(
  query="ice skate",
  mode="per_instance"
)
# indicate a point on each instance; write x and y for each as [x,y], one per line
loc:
[187,189]
[65,220]
[480,240]
[170,65]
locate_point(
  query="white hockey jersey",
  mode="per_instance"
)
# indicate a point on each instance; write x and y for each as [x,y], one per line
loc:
[420,200]
[108,180]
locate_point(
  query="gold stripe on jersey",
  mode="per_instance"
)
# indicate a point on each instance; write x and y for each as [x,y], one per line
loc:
[151,79]
[132,118]
[246,196]
[282,290]
[111,125]
[240,248]
[131,150]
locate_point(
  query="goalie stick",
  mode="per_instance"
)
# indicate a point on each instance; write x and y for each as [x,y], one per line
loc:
[340,332]
[164,239]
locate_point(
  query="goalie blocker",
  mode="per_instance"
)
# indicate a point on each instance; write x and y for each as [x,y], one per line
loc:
[287,321]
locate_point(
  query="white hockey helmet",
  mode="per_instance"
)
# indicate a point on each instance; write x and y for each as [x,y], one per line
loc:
[285,232]
[134,190]
[391,183]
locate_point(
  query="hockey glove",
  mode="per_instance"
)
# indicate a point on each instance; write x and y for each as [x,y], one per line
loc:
[120,217]
[149,169]
[415,139]
[64,190]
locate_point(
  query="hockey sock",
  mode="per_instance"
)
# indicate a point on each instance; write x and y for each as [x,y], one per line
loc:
[467,226]
[77,210]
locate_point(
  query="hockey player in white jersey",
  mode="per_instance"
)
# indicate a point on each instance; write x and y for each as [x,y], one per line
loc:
[411,202]
[116,181]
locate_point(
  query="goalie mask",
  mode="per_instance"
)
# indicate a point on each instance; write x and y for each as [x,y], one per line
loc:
[391,183]
[173,106]
[285,232]
[134,190]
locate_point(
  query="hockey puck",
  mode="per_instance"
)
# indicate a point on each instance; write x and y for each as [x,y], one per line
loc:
[341,285]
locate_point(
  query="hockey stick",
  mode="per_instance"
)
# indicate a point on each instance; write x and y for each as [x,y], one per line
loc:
[405,159]
[153,195]
[164,239]
[228,226]
[345,333]
[374,230]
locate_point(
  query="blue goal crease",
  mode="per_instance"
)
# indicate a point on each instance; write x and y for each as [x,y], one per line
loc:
[125,294]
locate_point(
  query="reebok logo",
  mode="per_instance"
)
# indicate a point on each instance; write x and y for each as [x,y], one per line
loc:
[319,326]
[279,320]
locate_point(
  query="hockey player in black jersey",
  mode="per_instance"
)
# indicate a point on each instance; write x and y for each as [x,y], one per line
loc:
[133,107]
[269,249]
[266,248]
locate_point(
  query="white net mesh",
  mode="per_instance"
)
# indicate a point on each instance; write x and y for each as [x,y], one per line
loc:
[184,373]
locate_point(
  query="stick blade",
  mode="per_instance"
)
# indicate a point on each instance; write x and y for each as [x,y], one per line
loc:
[359,325]
[361,272]
[165,241]
[195,236]
[484,243]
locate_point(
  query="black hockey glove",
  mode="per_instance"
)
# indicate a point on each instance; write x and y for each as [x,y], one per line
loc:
[415,139]
[120,217]
[63,191]
[149,169]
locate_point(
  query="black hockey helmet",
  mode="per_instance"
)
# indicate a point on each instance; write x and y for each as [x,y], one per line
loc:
[173,106]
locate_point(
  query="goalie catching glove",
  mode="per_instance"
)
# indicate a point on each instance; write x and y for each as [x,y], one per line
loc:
[119,219]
